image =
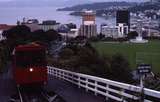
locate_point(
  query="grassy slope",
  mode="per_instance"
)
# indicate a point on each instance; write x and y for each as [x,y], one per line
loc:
[135,53]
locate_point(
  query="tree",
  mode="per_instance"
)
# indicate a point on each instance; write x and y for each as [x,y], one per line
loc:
[38,35]
[53,35]
[66,53]
[20,31]
[94,39]
[100,36]
[132,35]
[17,35]
[85,59]
[120,69]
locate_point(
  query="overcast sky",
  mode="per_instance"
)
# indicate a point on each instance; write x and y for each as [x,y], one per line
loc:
[5,0]
[89,0]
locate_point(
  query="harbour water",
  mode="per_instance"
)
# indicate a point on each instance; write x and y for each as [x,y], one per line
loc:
[10,15]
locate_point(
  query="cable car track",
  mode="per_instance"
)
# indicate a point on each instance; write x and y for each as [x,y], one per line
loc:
[35,95]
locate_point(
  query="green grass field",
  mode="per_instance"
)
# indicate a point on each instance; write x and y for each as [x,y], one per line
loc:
[135,53]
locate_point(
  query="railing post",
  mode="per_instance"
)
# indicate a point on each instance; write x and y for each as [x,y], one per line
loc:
[67,75]
[79,82]
[72,78]
[48,70]
[63,75]
[56,73]
[122,97]
[59,74]
[107,92]
[86,84]
[95,88]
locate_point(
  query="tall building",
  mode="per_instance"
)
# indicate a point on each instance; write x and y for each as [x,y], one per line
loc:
[123,16]
[123,22]
[88,27]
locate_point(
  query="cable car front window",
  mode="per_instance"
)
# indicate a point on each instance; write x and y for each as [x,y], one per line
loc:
[27,59]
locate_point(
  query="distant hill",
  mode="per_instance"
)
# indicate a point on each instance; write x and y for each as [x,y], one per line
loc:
[102,10]
[96,6]
[145,6]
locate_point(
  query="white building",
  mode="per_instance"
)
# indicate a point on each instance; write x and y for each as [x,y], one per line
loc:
[73,33]
[109,31]
[31,23]
[119,31]
[154,32]
[123,30]
[46,27]
[4,27]
[150,27]
[33,27]
[1,37]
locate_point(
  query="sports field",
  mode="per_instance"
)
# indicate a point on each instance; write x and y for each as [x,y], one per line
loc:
[135,53]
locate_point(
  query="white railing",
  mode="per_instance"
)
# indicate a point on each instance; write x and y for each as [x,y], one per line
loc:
[110,89]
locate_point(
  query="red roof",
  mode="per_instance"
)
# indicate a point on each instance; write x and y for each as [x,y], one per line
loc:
[6,27]
[32,46]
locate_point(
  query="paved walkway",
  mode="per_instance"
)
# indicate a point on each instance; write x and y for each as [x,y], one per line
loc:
[70,92]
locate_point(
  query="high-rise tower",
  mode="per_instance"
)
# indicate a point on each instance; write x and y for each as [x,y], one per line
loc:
[123,22]
[123,16]
[88,27]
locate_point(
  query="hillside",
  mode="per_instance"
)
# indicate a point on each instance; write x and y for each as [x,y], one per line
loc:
[108,9]
[96,6]
[145,6]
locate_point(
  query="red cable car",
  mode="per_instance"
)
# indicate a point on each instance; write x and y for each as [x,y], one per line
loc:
[29,64]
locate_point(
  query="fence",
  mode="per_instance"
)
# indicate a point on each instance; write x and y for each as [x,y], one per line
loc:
[110,89]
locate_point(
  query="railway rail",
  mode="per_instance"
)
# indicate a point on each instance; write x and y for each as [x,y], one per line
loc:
[35,95]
